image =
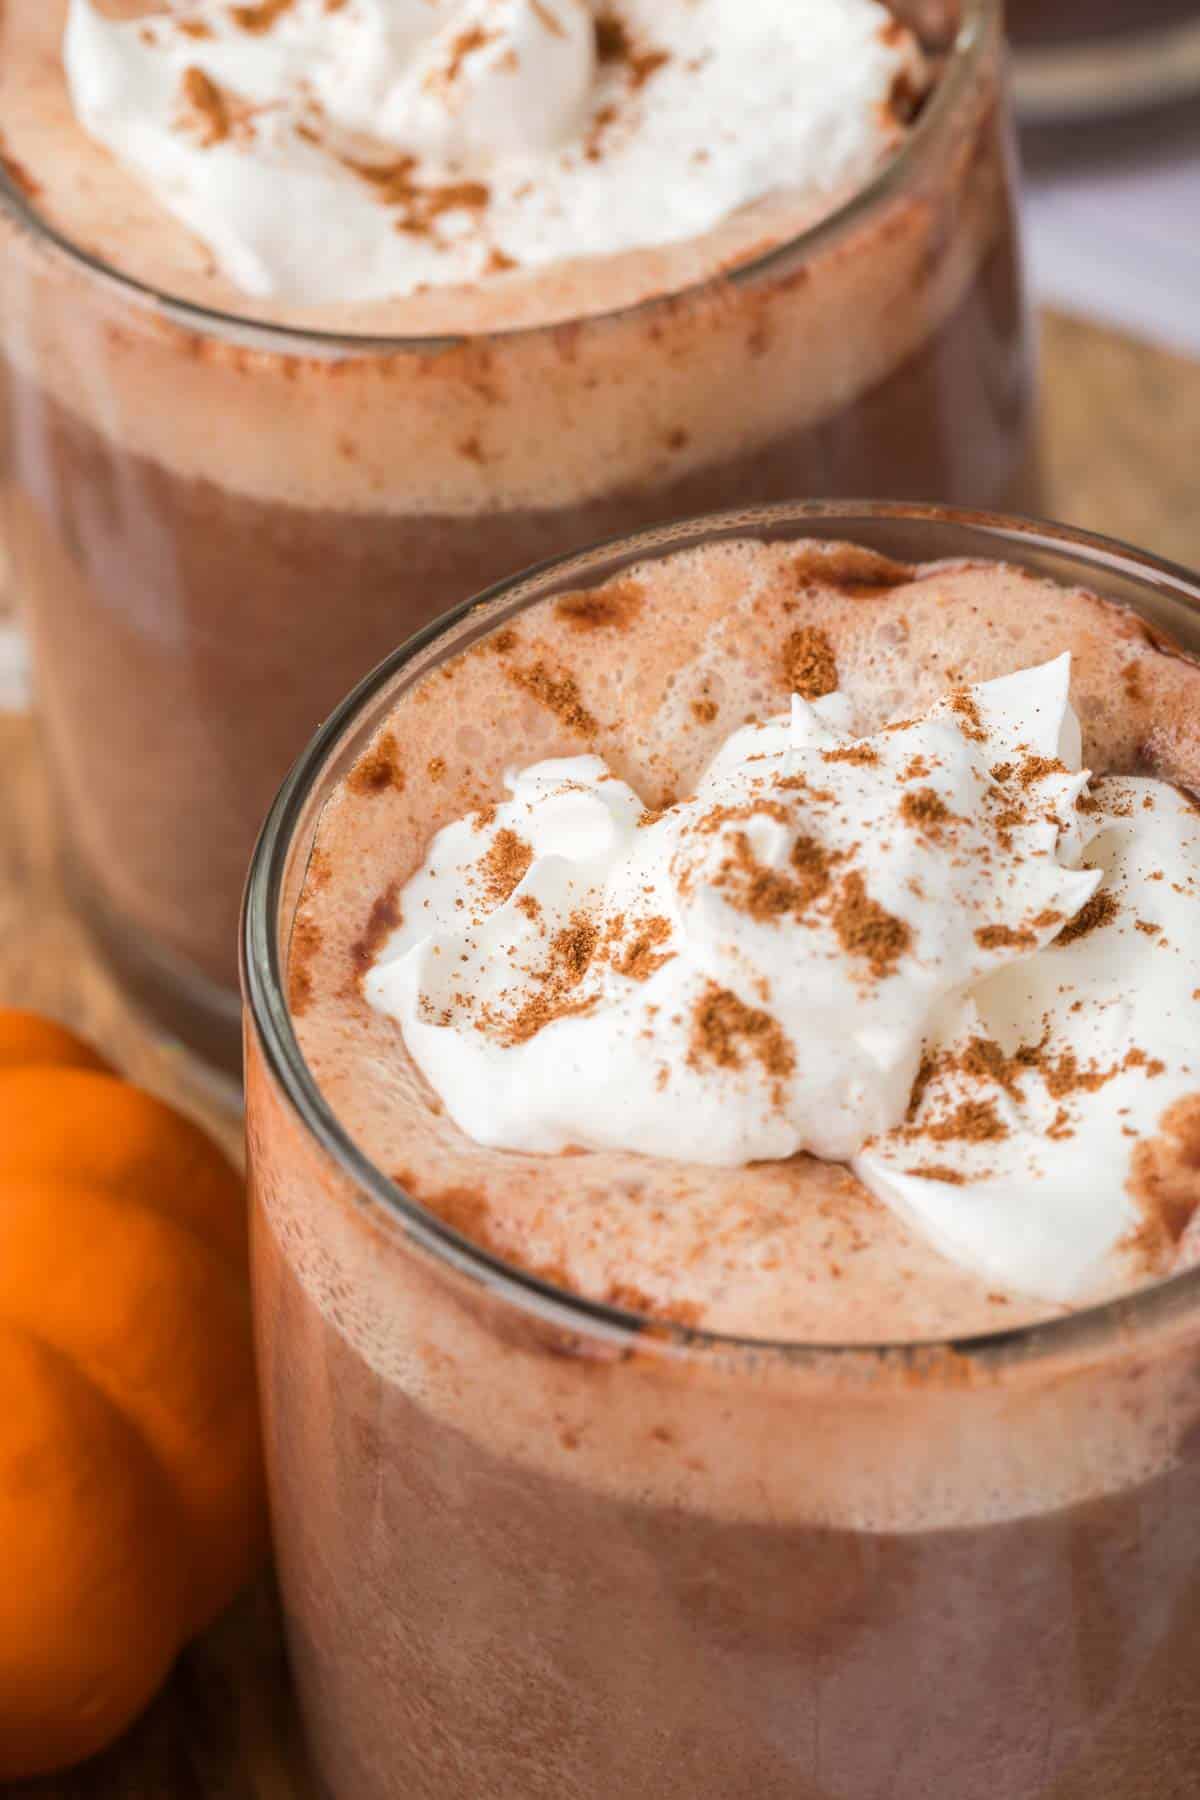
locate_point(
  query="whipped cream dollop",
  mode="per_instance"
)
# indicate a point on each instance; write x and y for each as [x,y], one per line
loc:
[939,953]
[1039,1152]
[351,150]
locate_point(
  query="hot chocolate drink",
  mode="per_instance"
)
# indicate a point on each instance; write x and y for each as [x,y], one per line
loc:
[244,455]
[724,1189]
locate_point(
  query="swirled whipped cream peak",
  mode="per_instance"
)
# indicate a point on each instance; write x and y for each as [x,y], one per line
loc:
[351,150]
[913,952]
[755,970]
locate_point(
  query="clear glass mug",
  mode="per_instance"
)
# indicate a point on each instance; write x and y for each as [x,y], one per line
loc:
[217,526]
[531,1545]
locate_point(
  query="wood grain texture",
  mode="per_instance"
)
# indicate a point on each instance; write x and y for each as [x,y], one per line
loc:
[1121,450]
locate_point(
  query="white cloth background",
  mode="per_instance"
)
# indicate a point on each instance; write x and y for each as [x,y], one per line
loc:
[1112,223]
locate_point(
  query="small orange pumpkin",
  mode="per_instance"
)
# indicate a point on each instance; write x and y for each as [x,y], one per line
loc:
[131,1489]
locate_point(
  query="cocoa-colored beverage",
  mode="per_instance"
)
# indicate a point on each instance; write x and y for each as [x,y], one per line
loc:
[597,1471]
[224,507]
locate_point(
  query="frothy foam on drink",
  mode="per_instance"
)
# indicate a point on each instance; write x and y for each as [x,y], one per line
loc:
[379,147]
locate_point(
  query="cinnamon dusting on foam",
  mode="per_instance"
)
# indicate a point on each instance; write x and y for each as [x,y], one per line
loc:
[380,769]
[559,694]
[809,664]
[613,606]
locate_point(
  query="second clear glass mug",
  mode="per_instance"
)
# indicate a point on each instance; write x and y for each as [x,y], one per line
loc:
[218,526]
[531,1546]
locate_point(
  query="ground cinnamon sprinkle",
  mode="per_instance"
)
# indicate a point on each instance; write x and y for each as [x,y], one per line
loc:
[725,1030]
[1100,910]
[473,38]
[617,604]
[985,1060]
[549,19]
[1165,1170]
[766,894]
[809,664]
[421,205]
[206,100]
[570,955]
[614,44]
[813,865]
[1064,1074]
[1060,1127]
[722,814]
[435,768]
[379,769]
[971,1122]
[1005,822]
[1036,768]
[704,711]
[938,1172]
[925,809]
[861,754]
[864,929]
[916,769]
[642,957]
[303,950]
[504,865]
[559,694]
[965,710]
[260,18]
[1004,937]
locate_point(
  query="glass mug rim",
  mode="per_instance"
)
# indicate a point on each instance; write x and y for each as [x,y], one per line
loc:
[979,22]
[1089,1330]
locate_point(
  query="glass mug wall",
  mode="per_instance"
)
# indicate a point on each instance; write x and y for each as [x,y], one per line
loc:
[217,527]
[531,1546]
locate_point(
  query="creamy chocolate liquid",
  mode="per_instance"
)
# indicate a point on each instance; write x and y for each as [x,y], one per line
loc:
[217,530]
[521,1554]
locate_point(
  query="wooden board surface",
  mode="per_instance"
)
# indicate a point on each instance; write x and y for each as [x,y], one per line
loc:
[1121,454]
